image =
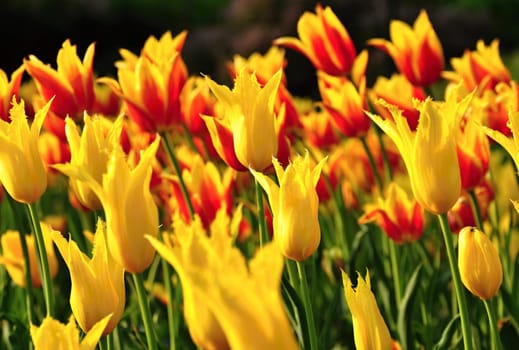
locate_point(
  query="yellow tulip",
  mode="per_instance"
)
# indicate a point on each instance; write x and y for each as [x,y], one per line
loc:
[369,328]
[13,260]
[229,304]
[21,168]
[97,283]
[248,111]
[52,334]
[131,212]
[90,150]
[478,261]
[295,206]
[511,145]
[429,153]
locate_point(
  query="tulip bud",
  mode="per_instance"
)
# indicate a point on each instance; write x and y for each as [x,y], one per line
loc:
[479,264]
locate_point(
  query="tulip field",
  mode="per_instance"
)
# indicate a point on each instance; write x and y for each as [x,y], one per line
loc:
[162,208]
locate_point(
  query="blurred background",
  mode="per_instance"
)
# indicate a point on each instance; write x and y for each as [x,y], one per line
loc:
[218,29]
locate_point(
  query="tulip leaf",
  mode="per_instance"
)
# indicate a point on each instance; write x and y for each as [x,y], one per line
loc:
[447,334]
[403,307]
[296,315]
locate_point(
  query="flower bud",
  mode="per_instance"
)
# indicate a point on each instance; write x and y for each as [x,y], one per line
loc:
[479,264]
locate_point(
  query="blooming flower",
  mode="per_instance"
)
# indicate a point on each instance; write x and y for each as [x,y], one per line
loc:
[229,303]
[294,205]
[90,149]
[129,206]
[97,283]
[52,334]
[511,145]
[429,153]
[402,219]
[13,260]
[369,328]
[247,134]
[473,154]
[416,51]
[21,168]
[478,261]
[9,88]
[323,40]
[150,84]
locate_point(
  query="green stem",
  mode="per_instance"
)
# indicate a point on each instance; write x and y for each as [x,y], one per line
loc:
[171,299]
[145,311]
[395,271]
[456,279]
[305,294]
[475,209]
[263,234]
[176,165]
[372,164]
[116,339]
[48,290]
[496,341]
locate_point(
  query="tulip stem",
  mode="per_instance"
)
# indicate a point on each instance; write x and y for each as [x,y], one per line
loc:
[176,165]
[456,279]
[396,271]
[496,341]
[43,262]
[263,235]
[307,303]
[145,311]
[475,209]
[372,163]
[171,298]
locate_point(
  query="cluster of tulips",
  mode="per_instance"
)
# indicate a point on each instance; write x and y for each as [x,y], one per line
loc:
[161,209]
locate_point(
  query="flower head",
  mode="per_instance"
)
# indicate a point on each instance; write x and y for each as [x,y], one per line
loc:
[21,168]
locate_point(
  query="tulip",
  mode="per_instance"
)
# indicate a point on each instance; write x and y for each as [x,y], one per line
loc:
[295,206]
[13,259]
[128,203]
[52,334]
[478,260]
[511,145]
[228,303]
[97,283]
[248,122]
[416,51]
[8,90]
[369,328]
[21,168]
[150,84]
[324,41]
[90,150]
[402,219]
[473,155]
[429,153]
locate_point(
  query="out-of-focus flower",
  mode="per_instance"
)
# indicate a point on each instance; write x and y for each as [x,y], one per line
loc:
[318,129]
[21,168]
[478,261]
[131,212]
[247,132]
[9,89]
[416,51]
[150,84]
[70,86]
[90,149]
[401,218]
[346,104]
[295,204]
[52,334]
[324,40]
[511,145]
[429,153]
[369,328]
[53,150]
[13,261]
[97,283]
[462,214]
[473,154]
[497,103]
[228,303]
[397,91]
[481,69]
